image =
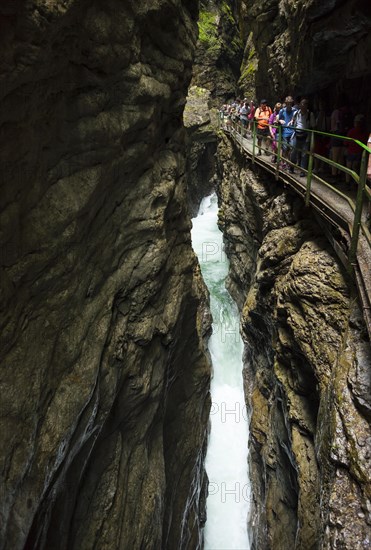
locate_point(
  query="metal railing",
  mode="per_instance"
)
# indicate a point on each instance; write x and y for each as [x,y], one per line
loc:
[359,178]
[345,214]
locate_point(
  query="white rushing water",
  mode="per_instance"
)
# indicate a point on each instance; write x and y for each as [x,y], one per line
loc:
[226,460]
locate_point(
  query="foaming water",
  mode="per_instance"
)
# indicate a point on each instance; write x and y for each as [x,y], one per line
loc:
[226,460]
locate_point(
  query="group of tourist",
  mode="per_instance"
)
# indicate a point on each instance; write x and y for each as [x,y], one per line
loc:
[293,119]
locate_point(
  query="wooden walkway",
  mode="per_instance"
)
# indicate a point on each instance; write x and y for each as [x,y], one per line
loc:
[335,207]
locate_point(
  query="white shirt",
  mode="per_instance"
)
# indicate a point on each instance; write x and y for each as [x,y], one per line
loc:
[304,121]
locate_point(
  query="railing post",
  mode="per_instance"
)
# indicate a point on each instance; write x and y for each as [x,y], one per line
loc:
[358,211]
[310,169]
[279,147]
[253,140]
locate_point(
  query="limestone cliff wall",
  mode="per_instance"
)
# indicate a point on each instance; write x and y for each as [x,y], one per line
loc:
[104,377]
[320,48]
[202,124]
[219,49]
[308,47]
[307,368]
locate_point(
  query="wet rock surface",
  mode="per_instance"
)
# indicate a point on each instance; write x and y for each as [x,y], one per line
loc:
[307,368]
[219,50]
[308,47]
[201,122]
[104,376]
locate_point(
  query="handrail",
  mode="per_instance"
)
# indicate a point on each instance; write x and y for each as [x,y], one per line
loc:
[360,179]
[350,220]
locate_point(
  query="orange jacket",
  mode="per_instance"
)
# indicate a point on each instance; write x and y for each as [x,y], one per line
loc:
[262,116]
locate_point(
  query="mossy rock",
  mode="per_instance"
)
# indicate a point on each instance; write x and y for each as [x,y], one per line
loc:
[249,67]
[208,30]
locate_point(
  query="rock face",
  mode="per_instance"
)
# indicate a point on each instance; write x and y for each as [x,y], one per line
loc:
[104,376]
[219,49]
[307,369]
[201,123]
[308,47]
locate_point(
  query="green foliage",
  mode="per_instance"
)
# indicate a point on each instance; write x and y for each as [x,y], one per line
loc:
[201,92]
[218,32]
[252,52]
[208,29]
[227,13]
[248,69]
[234,46]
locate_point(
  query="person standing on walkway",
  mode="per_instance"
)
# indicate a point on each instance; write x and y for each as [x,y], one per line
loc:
[353,151]
[321,142]
[302,120]
[285,118]
[369,180]
[273,121]
[341,118]
[262,115]
[251,115]
[244,112]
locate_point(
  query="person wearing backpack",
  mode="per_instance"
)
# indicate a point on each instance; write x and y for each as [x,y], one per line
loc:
[285,117]
[341,121]
[273,122]
[244,113]
[251,116]
[321,142]
[262,115]
[369,180]
[302,120]
[354,151]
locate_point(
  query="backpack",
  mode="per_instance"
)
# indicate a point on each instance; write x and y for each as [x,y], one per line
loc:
[263,121]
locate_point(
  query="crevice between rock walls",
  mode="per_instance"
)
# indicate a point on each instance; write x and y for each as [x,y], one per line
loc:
[201,123]
[307,367]
[104,372]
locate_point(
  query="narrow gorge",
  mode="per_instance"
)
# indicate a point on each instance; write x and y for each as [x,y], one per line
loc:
[109,141]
